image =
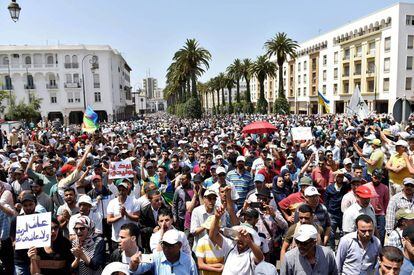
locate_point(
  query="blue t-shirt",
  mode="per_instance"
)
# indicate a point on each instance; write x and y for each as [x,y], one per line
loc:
[407,267]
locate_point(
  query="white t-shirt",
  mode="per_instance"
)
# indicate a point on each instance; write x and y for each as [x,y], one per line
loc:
[237,263]
[114,208]
[216,188]
[156,238]
[257,165]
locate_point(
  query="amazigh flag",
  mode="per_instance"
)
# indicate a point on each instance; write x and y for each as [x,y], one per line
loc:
[90,120]
[324,102]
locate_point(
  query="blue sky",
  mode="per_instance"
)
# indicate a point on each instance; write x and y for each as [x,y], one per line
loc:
[147,33]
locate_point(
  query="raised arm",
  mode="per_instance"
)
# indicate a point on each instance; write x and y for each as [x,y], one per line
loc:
[214,234]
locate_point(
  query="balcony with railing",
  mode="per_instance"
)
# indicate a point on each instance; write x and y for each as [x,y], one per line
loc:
[29,86]
[72,85]
[51,86]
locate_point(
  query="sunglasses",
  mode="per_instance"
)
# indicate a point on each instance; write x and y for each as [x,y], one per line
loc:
[79,228]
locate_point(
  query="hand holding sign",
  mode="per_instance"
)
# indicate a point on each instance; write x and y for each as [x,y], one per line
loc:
[33,230]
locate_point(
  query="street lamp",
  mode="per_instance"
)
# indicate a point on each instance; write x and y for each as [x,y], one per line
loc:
[14,10]
[94,62]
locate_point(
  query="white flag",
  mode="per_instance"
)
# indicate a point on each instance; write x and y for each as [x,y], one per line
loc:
[357,105]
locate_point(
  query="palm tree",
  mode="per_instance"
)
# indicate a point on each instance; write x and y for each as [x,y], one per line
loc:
[194,59]
[263,68]
[222,82]
[203,90]
[210,89]
[234,70]
[229,83]
[246,73]
[215,85]
[281,46]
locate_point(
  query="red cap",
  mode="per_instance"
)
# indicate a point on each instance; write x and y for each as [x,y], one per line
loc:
[364,192]
[67,168]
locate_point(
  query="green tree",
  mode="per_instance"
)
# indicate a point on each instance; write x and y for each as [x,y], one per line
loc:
[246,73]
[229,83]
[235,71]
[23,111]
[282,47]
[195,59]
[263,68]
[222,82]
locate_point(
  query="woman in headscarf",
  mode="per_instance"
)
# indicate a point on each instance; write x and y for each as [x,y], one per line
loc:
[279,189]
[88,248]
[55,259]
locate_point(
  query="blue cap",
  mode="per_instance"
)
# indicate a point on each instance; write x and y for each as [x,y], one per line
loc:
[259,177]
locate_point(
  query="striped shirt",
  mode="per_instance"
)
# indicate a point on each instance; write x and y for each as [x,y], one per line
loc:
[242,182]
[398,201]
[211,253]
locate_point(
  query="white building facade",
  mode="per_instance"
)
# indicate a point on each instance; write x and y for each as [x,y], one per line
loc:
[375,53]
[54,74]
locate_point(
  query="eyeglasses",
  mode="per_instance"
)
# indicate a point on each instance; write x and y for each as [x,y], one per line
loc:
[79,228]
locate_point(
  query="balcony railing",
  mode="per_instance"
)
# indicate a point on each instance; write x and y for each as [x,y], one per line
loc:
[96,85]
[51,86]
[72,85]
[28,87]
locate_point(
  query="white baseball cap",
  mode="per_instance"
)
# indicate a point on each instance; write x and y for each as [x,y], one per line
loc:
[347,161]
[250,230]
[219,157]
[241,158]
[306,232]
[171,236]
[220,170]
[210,192]
[85,199]
[402,143]
[311,191]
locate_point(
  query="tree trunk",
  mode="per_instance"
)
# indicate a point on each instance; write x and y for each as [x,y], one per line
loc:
[281,91]
[229,89]
[261,85]
[212,97]
[248,90]
[238,90]
[188,93]
[223,99]
[194,85]
[206,101]
[218,97]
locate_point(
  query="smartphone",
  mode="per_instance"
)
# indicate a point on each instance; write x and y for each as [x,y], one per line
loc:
[147,258]
[255,204]
[230,233]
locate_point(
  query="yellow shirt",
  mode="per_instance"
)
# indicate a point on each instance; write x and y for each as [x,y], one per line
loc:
[378,156]
[211,254]
[397,178]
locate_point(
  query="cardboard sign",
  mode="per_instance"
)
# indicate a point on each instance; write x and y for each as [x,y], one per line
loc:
[121,169]
[302,133]
[33,230]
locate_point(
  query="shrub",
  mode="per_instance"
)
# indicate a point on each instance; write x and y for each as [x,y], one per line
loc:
[281,106]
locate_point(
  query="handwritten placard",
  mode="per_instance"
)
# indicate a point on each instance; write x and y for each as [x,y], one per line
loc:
[121,169]
[301,133]
[33,230]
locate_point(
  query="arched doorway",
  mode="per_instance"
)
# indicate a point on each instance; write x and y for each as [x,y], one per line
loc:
[55,115]
[160,106]
[76,117]
[102,115]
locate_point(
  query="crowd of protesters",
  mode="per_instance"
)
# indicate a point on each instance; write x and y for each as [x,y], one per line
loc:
[205,198]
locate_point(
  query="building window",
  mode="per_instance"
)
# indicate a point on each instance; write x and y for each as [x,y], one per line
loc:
[386,86]
[324,60]
[28,60]
[324,75]
[49,60]
[77,97]
[299,67]
[371,47]
[335,57]
[335,73]
[346,54]
[76,78]
[409,62]
[357,69]
[299,79]
[68,78]
[409,20]
[335,89]
[408,81]
[298,91]
[358,51]
[96,83]
[410,41]
[304,79]
[305,65]
[53,98]
[304,91]
[98,97]
[324,89]
[70,97]
[387,44]
[387,65]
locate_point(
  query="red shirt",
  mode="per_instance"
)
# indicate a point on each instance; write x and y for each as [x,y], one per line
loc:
[269,175]
[380,199]
[322,179]
[290,203]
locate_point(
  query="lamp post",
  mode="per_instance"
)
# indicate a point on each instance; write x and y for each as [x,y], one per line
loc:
[14,10]
[93,62]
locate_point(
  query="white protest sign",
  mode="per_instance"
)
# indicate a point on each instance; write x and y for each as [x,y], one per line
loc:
[301,133]
[33,230]
[120,169]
